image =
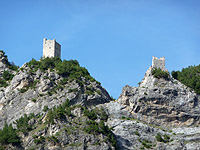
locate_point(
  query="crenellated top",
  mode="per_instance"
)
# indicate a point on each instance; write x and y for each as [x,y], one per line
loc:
[158,63]
[51,48]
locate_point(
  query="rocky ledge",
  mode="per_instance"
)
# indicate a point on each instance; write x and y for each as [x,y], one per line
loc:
[163,102]
[50,104]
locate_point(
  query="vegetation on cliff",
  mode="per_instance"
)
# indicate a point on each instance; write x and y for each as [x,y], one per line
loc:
[8,135]
[90,122]
[189,76]
[69,69]
[4,58]
[158,73]
[7,69]
[7,76]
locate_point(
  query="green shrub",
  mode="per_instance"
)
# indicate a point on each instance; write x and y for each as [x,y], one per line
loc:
[3,82]
[58,112]
[7,75]
[123,117]
[90,114]
[137,133]
[68,111]
[142,148]
[45,109]
[63,81]
[92,127]
[46,77]
[23,90]
[158,73]
[39,140]
[1,148]
[89,92]
[34,64]
[59,87]
[166,138]
[102,114]
[11,65]
[72,90]
[66,103]
[50,117]
[146,143]
[175,74]
[98,92]
[113,99]
[8,135]
[96,128]
[70,70]
[160,138]
[189,76]
[34,100]
[33,84]
[53,139]
[23,125]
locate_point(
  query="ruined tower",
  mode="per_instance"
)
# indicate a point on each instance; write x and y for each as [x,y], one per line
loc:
[51,48]
[159,63]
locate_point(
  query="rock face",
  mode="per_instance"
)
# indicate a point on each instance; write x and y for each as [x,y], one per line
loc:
[31,92]
[155,115]
[4,64]
[162,102]
[55,113]
[134,134]
[35,93]
[67,133]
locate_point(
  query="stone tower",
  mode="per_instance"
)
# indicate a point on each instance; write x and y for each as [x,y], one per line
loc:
[158,63]
[51,48]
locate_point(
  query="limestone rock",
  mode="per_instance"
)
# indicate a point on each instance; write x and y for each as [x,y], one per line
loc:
[30,92]
[162,102]
[159,114]
[4,64]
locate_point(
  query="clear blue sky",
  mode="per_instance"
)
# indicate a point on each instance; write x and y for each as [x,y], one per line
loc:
[114,39]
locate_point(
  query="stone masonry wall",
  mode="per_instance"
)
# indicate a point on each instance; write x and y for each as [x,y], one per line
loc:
[158,63]
[51,48]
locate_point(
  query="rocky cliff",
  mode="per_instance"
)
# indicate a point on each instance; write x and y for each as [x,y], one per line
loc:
[164,102]
[52,110]
[56,105]
[31,92]
[160,106]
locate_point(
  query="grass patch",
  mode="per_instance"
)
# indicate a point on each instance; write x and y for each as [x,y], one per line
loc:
[75,144]
[34,100]
[146,143]
[136,133]
[23,90]
[162,138]
[40,127]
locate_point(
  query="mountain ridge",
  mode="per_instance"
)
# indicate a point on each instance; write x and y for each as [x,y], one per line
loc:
[55,104]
